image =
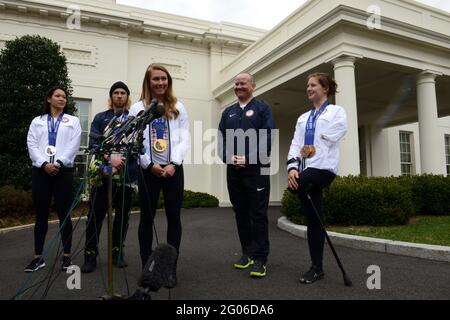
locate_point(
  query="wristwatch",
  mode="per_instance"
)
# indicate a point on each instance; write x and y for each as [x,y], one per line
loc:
[176,165]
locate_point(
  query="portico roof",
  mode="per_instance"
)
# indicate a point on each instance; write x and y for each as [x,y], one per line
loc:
[411,38]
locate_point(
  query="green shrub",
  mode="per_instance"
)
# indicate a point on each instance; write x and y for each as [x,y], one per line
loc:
[29,67]
[431,194]
[199,200]
[15,203]
[359,201]
[190,200]
[291,207]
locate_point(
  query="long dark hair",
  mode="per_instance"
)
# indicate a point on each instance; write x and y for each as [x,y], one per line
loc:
[46,108]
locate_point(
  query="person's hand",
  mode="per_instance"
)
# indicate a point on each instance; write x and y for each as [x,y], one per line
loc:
[169,171]
[157,170]
[292,179]
[52,169]
[117,162]
[238,161]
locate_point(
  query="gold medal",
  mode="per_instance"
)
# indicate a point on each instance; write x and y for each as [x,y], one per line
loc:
[160,145]
[308,151]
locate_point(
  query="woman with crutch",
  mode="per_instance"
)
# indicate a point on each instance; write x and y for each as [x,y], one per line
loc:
[313,163]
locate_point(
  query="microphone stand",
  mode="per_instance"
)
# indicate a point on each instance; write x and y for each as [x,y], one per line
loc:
[135,148]
[106,146]
[110,294]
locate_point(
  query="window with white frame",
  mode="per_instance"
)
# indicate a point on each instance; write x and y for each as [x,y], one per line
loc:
[83,107]
[447,153]
[406,157]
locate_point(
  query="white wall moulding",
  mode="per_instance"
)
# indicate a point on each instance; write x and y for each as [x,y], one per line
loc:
[177,68]
[80,54]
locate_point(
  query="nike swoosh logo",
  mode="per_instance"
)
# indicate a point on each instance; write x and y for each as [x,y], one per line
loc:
[259,189]
[231,115]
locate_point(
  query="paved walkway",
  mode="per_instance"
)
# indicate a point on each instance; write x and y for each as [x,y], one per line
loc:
[209,248]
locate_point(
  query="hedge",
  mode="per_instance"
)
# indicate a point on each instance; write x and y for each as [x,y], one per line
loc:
[191,199]
[377,201]
[15,203]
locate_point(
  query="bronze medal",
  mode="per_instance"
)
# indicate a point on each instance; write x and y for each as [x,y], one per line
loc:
[308,151]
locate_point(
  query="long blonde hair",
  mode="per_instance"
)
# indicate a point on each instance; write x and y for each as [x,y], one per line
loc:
[169,99]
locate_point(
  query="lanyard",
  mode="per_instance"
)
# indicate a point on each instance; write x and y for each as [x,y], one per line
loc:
[159,126]
[53,128]
[311,124]
[123,117]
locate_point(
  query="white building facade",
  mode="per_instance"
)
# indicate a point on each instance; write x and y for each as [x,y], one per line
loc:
[391,60]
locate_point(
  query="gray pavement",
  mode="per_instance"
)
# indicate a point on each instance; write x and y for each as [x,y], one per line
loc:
[209,247]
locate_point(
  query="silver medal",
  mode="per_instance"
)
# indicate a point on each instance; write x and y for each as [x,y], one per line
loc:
[50,151]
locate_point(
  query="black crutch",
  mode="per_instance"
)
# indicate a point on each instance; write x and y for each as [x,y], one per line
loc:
[347,281]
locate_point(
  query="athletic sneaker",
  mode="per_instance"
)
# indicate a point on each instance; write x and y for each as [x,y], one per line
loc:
[258,269]
[35,264]
[312,275]
[66,263]
[244,262]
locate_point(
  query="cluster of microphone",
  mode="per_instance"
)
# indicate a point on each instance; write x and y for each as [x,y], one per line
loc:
[116,132]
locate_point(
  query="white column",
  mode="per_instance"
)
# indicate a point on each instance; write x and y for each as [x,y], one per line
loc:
[344,74]
[379,143]
[432,156]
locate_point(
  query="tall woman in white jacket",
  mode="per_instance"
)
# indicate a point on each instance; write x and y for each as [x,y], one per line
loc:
[313,160]
[166,143]
[53,141]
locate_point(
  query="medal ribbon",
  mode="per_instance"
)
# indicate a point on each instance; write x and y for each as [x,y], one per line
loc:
[311,124]
[159,126]
[52,128]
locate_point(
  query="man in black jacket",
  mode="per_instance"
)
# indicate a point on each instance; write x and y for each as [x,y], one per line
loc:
[245,146]
[103,124]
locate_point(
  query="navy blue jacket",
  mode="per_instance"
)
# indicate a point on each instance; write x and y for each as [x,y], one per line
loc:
[98,125]
[255,116]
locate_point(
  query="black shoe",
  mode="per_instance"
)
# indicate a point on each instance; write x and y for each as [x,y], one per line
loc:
[258,269]
[244,262]
[35,265]
[66,263]
[90,262]
[119,259]
[312,275]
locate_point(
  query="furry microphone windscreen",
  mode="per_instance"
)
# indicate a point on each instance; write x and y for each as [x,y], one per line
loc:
[158,267]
